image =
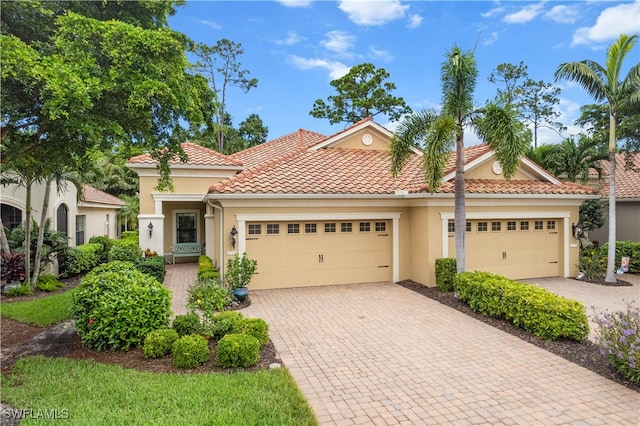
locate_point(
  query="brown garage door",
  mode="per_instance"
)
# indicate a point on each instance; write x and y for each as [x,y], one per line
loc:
[299,254]
[518,248]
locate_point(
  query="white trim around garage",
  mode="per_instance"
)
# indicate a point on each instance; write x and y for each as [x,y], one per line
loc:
[282,217]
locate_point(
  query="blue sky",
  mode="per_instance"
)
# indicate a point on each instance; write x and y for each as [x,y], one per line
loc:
[296,47]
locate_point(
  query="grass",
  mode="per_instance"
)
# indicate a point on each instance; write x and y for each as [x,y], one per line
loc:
[97,394]
[42,312]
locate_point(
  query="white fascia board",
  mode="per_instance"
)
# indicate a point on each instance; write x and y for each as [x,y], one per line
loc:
[266,217]
[542,172]
[84,204]
[534,214]
[470,165]
[178,197]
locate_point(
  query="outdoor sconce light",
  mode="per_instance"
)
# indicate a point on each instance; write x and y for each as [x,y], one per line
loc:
[576,228]
[234,232]
[150,226]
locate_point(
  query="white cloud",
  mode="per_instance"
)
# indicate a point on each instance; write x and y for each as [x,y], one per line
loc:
[414,21]
[211,24]
[292,38]
[492,12]
[616,20]
[339,42]
[563,14]
[491,38]
[380,54]
[295,3]
[524,15]
[336,69]
[368,12]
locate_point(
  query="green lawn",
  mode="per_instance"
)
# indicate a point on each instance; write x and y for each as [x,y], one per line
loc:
[97,394]
[43,312]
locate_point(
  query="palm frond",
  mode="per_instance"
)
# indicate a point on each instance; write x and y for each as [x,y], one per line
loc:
[588,74]
[410,133]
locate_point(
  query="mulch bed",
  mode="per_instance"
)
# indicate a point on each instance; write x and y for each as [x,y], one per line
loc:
[585,354]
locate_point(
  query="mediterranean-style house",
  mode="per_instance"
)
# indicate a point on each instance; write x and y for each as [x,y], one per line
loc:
[80,216]
[627,199]
[320,210]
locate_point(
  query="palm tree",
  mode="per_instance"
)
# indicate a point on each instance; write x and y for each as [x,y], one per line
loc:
[435,134]
[572,159]
[605,83]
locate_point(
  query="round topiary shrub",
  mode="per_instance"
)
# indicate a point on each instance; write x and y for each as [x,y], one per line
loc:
[187,324]
[116,306]
[159,343]
[126,250]
[256,327]
[190,351]
[223,323]
[238,350]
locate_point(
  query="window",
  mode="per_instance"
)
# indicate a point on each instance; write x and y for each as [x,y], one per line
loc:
[11,216]
[255,229]
[524,225]
[468,226]
[451,227]
[273,229]
[381,226]
[483,226]
[346,227]
[186,228]
[310,228]
[538,225]
[496,226]
[329,228]
[365,226]
[551,224]
[293,228]
[80,224]
[62,221]
[511,225]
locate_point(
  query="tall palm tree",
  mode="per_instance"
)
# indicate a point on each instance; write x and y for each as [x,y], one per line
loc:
[605,83]
[435,134]
[572,159]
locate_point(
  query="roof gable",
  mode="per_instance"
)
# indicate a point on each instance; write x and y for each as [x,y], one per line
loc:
[94,195]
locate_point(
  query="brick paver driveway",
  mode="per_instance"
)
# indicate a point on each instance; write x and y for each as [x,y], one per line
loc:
[380,354]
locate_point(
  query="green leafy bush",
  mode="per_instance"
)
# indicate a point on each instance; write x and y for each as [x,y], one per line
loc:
[206,269]
[190,351]
[83,258]
[624,249]
[618,335]
[445,273]
[130,235]
[159,343]
[238,350]
[125,250]
[223,323]
[256,327]
[153,266]
[106,244]
[208,297]
[116,306]
[535,309]
[187,324]
[591,263]
[48,282]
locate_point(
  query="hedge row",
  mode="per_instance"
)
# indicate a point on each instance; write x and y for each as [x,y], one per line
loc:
[628,249]
[535,309]
[207,270]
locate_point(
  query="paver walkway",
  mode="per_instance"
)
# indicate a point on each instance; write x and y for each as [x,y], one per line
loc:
[366,354]
[178,279]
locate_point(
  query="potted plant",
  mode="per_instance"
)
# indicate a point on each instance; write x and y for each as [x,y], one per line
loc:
[240,270]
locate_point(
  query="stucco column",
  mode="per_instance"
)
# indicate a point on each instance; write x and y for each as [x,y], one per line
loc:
[210,233]
[151,239]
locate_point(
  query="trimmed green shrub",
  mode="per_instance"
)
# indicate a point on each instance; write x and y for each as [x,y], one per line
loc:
[125,250]
[591,263]
[223,323]
[238,350]
[159,343]
[206,269]
[190,351]
[106,244]
[208,297]
[153,266]
[83,258]
[256,327]
[445,273]
[116,306]
[624,249]
[129,235]
[535,309]
[187,324]
[48,282]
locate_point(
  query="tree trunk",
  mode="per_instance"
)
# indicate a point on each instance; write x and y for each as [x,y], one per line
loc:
[43,220]
[27,235]
[3,239]
[610,277]
[460,213]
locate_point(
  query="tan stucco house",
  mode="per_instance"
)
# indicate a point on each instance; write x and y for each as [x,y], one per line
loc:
[321,210]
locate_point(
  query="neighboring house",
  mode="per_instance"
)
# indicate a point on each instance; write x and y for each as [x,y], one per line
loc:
[318,210]
[627,200]
[80,217]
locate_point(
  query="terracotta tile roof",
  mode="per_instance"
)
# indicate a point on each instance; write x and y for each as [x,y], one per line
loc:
[197,156]
[325,171]
[470,154]
[278,148]
[93,195]
[491,186]
[627,180]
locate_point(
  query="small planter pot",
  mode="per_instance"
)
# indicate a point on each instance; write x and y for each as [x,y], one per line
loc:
[241,293]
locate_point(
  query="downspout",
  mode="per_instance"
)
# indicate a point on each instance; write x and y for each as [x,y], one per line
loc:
[221,251]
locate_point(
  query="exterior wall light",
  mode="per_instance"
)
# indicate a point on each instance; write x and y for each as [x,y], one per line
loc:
[577,230]
[234,233]
[150,226]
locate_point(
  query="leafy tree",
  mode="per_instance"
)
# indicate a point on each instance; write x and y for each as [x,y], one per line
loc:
[221,66]
[437,133]
[107,171]
[572,159]
[509,75]
[253,130]
[607,83]
[592,215]
[128,214]
[362,93]
[595,119]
